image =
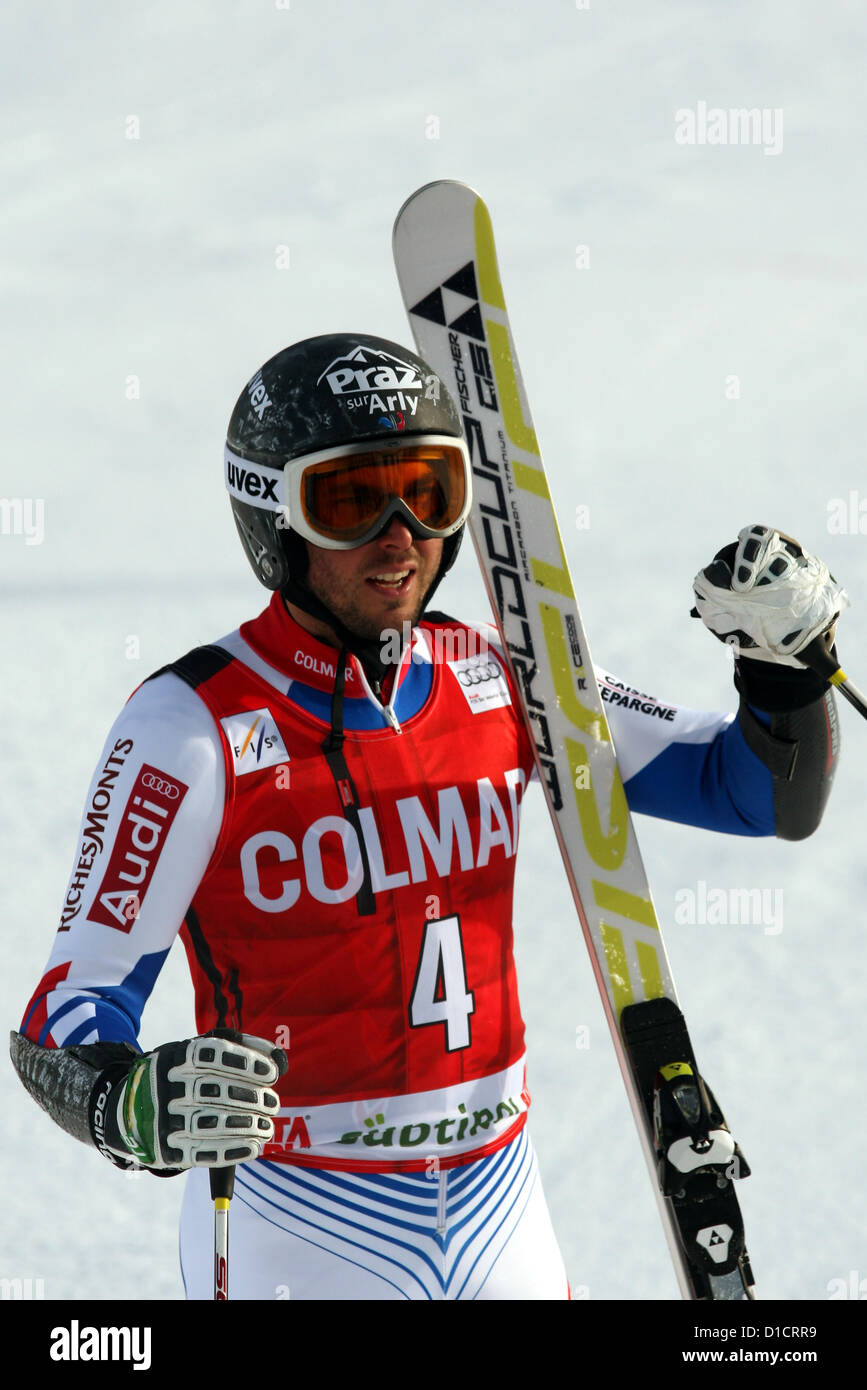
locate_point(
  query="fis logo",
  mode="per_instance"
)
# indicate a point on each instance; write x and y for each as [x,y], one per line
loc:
[255,741]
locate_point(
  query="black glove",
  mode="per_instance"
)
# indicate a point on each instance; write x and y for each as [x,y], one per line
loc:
[204,1102]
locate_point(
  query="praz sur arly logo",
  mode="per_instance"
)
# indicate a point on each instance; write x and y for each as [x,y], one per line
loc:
[366,370]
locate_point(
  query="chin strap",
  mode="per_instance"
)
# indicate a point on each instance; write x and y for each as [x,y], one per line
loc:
[368,650]
[332,747]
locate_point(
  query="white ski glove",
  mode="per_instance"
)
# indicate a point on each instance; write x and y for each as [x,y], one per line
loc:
[205,1102]
[767,598]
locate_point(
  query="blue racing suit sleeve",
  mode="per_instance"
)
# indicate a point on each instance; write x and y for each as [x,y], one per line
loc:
[765,771]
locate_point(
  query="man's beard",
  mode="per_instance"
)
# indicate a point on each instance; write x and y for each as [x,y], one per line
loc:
[347,610]
[364,611]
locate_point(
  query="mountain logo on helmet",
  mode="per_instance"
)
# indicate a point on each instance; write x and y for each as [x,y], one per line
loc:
[363,370]
[375,381]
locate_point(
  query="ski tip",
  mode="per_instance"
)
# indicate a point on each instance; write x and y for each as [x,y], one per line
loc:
[426,188]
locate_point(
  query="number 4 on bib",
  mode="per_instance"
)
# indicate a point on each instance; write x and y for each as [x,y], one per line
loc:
[440,994]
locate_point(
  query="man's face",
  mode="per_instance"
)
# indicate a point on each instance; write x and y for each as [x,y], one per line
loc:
[380,585]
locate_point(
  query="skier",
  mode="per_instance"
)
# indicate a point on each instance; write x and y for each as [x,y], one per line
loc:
[326,802]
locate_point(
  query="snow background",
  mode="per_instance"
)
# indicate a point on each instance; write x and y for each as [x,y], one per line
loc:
[155,257]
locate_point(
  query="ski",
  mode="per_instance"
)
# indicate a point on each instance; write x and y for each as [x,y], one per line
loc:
[447,269]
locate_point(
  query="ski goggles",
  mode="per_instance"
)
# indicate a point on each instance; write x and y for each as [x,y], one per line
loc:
[341,499]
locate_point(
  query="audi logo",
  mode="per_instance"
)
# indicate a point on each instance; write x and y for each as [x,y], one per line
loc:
[158,784]
[474,675]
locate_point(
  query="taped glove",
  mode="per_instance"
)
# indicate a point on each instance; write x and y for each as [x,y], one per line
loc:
[767,598]
[203,1103]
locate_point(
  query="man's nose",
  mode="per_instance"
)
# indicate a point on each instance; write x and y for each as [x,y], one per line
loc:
[397,535]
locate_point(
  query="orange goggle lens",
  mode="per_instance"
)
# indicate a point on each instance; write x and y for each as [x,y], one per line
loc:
[342,498]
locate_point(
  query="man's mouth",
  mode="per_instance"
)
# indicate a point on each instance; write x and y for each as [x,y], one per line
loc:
[391,581]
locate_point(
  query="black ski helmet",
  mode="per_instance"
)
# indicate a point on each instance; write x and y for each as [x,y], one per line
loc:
[340,388]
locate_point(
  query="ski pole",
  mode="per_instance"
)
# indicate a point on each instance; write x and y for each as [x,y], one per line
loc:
[817,655]
[222,1187]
